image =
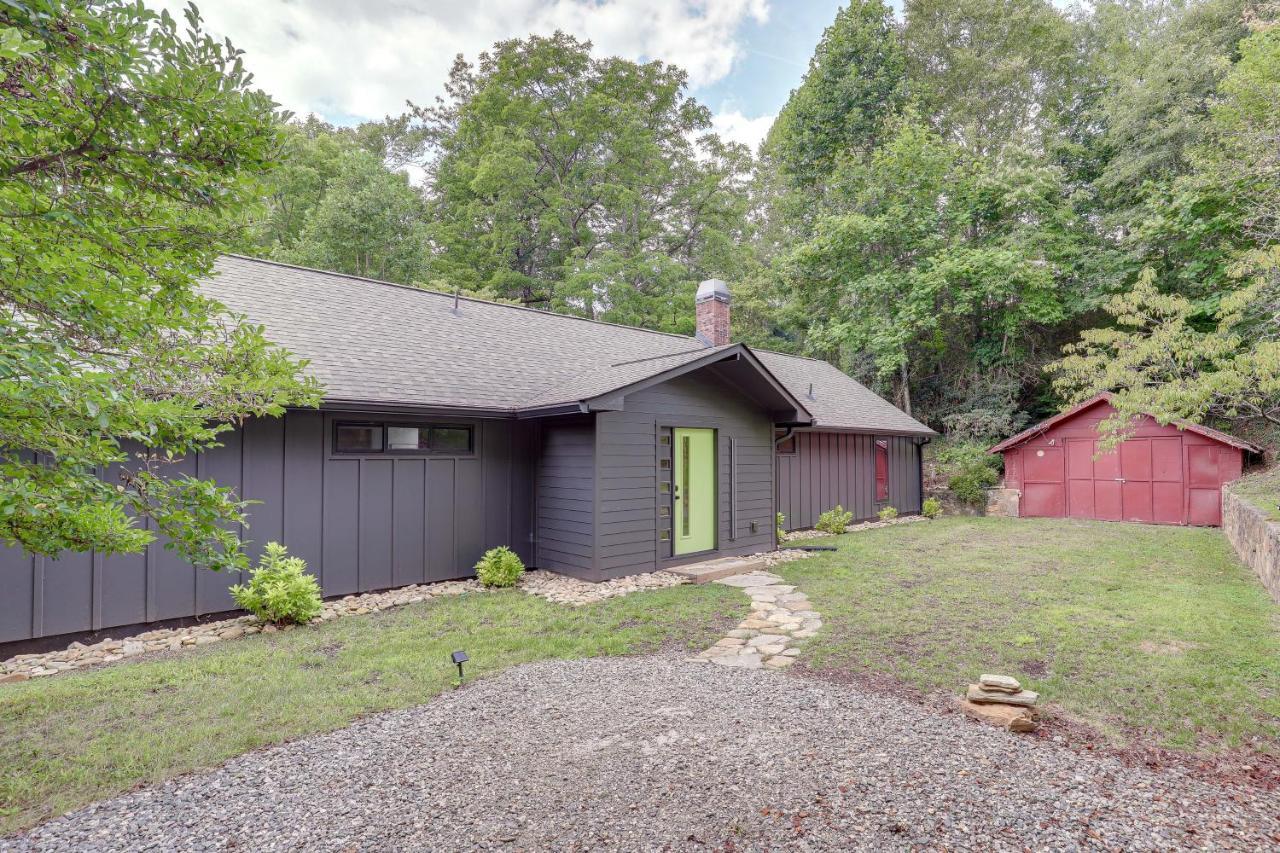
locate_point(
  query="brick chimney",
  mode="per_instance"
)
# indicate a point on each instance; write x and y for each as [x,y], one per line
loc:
[712,304]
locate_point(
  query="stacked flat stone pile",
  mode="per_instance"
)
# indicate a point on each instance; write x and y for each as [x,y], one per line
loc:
[1001,701]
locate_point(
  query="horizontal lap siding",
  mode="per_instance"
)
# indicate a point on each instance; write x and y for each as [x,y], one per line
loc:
[830,468]
[360,523]
[566,497]
[628,453]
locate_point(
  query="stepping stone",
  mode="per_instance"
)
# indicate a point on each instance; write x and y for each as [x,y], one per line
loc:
[741,661]
[723,567]
[744,581]
[767,640]
[778,662]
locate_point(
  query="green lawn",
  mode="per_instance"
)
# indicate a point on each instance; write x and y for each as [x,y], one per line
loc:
[1262,489]
[1145,631]
[71,739]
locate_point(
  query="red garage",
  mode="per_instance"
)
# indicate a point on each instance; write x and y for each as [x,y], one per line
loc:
[1160,475]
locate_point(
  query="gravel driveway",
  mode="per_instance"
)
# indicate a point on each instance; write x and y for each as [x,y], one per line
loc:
[657,753]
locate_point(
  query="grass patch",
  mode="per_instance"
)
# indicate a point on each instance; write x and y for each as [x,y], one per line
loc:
[72,739]
[1262,489]
[1140,631]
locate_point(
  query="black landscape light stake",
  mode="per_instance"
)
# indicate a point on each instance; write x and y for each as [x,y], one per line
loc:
[460,658]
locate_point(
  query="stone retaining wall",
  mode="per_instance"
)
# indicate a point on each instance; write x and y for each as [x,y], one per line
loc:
[1255,538]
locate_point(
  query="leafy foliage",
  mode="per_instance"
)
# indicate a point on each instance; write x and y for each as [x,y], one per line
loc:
[931,508]
[888,513]
[1161,364]
[499,567]
[779,523]
[969,470]
[280,590]
[856,78]
[583,184]
[127,146]
[834,520]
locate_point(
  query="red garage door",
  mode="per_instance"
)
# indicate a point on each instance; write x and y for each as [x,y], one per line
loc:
[1141,480]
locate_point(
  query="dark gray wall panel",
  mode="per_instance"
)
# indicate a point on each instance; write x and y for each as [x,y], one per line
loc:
[223,465]
[263,480]
[67,593]
[521,500]
[341,569]
[304,453]
[375,523]
[442,563]
[469,524]
[172,582]
[409,510]
[566,496]
[18,570]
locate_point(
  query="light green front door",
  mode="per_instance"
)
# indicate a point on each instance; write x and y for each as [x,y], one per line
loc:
[695,490]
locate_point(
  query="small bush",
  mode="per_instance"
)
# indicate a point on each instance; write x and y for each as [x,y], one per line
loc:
[279,589]
[499,567]
[931,508]
[834,520]
[969,470]
[780,521]
[888,513]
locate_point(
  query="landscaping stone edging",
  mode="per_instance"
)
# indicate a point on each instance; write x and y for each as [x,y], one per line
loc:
[1255,538]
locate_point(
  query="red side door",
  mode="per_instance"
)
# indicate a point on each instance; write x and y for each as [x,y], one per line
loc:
[1135,479]
[1107,503]
[1044,482]
[1080,503]
[1204,485]
[1168,497]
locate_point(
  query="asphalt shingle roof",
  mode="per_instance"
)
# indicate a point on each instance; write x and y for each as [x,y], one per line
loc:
[372,342]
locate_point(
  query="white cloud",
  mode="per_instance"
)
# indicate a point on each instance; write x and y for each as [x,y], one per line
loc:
[733,126]
[363,60]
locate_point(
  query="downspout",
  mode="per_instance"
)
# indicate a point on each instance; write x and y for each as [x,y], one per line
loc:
[779,439]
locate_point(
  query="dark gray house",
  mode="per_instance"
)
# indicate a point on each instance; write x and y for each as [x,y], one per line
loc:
[454,425]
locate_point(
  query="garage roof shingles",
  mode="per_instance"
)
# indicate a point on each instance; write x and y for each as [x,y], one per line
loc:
[373,342]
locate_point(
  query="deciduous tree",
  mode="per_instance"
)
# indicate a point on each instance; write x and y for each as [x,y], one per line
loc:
[127,145]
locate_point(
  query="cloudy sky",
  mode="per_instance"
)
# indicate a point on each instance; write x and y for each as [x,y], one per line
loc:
[351,60]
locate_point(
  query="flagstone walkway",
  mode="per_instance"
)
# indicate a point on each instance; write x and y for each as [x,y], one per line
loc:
[767,638]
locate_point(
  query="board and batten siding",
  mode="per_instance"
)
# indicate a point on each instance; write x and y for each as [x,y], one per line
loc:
[566,493]
[830,468]
[362,523]
[629,450]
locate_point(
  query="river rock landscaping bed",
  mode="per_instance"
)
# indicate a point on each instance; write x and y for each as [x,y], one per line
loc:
[109,650]
[801,535]
[554,587]
[654,753]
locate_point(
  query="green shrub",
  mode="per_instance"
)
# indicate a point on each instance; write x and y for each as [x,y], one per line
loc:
[931,508]
[834,520]
[780,521]
[499,567]
[888,513]
[969,470]
[279,589]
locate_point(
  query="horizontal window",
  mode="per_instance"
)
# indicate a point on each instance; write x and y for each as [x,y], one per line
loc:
[448,439]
